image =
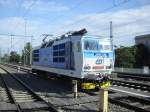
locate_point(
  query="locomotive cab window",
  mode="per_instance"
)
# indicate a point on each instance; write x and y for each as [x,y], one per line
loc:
[91,45]
[105,47]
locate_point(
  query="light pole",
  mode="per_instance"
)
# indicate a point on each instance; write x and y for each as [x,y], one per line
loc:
[25,32]
[31,50]
[30,53]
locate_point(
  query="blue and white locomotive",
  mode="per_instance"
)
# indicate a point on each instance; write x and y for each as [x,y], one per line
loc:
[75,55]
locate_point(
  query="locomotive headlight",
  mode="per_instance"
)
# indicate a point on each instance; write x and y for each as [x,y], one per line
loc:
[87,67]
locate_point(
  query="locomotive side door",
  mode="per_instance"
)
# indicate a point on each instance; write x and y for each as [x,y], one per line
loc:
[78,57]
[69,56]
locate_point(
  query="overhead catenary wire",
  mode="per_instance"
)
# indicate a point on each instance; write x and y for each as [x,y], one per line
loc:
[23,16]
[74,7]
[27,11]
[114,5]
[123,38]
[128,23]
[29,8]
[59,16]
[102,11]
[134,34]
[122,24]
[12,45]
[14,35]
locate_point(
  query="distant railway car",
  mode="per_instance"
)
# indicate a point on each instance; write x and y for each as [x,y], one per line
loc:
[75,55]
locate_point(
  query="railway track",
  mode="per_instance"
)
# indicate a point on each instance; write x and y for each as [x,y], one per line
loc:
[21,67]
[138,104]
[19,96]
[125,80]
[143,78]
[60,95]
[137,77]
[130,102]
[131,84]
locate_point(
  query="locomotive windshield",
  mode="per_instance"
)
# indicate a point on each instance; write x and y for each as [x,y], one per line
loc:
[91,45]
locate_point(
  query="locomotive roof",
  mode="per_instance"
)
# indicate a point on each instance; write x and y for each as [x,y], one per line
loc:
[37,47]
[51,42]
[74,34]
[64,36]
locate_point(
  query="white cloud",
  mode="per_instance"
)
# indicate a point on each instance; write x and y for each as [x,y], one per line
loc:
[16,26]
[138,19]
[10,3]
[12,24]
[6,2]
[95,24]
[124,22]
[41,6]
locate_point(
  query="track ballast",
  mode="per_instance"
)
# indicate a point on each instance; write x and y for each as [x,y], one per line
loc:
[19,96]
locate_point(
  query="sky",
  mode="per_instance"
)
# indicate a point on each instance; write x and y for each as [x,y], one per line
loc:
[130,18]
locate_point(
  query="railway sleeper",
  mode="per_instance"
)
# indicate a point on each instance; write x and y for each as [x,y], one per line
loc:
[134,85]
[132,106]
[29,105]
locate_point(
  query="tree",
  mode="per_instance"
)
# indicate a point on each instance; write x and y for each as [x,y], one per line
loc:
[125,57]
[14,57]
[5,58]
[133,56]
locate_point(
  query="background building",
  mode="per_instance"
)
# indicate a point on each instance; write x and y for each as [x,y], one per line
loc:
[143,39]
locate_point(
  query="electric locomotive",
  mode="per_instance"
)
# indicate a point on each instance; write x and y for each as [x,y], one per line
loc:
[76,55]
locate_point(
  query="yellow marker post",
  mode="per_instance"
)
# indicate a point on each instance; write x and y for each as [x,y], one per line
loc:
[103,105]
[105,84]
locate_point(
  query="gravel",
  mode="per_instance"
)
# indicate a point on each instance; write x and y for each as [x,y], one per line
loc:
[117,108]
[59,89]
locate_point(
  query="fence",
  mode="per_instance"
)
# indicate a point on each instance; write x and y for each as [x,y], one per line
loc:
[145,70]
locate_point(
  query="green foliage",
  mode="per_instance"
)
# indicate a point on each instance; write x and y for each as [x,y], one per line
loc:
[5,58]
[134,56]
[14,57]
[125,57]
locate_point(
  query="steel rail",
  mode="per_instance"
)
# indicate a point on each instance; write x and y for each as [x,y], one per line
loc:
[128,105]
[138,77]
[114,100]
[11,98]
[121,103]
[22,68]
[51,107]
[130,84]
[131,74]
